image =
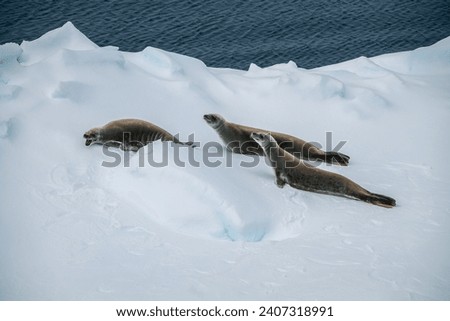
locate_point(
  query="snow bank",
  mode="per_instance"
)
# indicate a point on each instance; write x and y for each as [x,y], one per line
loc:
[71,228]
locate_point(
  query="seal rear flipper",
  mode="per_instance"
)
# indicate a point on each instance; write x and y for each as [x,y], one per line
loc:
[380,200]
[336,158]
[176,141]
[191,144]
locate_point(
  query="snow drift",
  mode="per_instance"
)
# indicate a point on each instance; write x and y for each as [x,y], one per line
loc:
[73,229]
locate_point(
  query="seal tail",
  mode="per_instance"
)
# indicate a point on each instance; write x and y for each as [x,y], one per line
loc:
[380,200]
[336,158]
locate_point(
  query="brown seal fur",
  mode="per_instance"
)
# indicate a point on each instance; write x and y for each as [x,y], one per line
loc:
[237,139]
[294,172]
[128,134]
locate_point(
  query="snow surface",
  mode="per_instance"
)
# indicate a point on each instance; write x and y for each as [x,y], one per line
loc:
[72,229]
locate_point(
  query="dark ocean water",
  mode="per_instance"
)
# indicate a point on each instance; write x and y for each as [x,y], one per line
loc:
[235,33]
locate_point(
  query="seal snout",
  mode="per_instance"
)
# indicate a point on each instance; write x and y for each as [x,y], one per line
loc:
[90,137]
[208,118]
[213,118]
[258,136]
[255,135]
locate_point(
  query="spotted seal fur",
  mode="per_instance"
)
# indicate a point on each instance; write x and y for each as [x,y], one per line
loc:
[129,134]
[237,139]
[298,174]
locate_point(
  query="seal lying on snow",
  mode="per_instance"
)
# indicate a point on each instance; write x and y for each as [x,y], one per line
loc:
[237,139]
[128,134]
[296,173]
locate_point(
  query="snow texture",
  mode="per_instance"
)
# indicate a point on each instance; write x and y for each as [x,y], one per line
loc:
[72,229]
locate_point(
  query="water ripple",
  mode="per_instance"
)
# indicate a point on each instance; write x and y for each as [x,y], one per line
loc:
[236,33]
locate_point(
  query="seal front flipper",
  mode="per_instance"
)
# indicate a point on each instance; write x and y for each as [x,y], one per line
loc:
[279,180]
[112,143]
[132,146]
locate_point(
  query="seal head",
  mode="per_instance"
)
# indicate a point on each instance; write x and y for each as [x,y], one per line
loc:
[263,139]
[214,120]
[92,136]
